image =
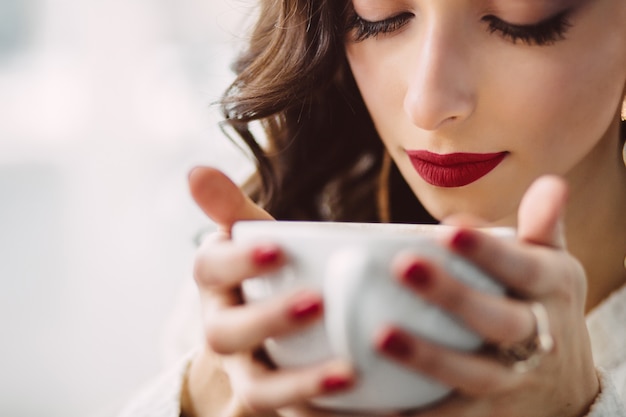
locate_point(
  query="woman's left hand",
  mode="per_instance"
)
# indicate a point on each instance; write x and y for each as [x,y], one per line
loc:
[536,268]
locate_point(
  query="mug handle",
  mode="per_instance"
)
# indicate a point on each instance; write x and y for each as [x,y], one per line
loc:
[357,287]
[344,272]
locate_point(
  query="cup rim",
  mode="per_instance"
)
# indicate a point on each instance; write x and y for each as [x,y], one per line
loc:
[317,228]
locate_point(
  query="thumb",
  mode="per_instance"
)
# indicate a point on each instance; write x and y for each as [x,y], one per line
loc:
[540,214]
[221,199]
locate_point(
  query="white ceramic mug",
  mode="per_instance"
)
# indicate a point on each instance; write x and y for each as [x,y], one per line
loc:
[350,264]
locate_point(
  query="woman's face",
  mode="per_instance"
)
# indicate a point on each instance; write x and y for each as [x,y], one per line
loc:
[474,99]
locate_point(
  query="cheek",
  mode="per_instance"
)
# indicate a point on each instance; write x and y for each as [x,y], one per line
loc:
[565,102]
[380,81]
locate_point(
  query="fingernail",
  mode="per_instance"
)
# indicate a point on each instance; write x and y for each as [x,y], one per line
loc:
[418,276]
[336,383]
[305,308]
[464,241]
[395,344]
[265,255]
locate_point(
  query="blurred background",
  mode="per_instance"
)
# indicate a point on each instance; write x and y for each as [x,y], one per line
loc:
[105,105]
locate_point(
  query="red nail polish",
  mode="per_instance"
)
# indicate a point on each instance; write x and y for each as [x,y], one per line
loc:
[306,308]
[418,276]
[336,383]
[464,241]
[396,344]
[263,256]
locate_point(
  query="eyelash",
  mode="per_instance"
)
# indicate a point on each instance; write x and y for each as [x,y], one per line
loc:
[364,29]
[545,32]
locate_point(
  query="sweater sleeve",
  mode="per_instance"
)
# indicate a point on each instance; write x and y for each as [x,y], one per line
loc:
[162,396]
[609,402]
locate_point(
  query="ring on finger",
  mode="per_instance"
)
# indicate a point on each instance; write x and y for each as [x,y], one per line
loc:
[526,355]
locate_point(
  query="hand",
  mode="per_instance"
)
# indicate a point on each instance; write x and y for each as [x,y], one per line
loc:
[535,268]
[227,378]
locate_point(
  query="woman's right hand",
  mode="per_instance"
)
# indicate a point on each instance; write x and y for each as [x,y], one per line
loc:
[226,378]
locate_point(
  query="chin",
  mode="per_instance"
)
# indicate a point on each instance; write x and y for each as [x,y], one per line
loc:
[442,203]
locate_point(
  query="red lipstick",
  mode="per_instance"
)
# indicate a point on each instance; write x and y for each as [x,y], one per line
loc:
[453,169]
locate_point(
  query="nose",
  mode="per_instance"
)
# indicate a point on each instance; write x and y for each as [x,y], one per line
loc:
[439,90]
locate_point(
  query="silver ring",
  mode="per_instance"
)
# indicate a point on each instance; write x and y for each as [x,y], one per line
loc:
[526,356]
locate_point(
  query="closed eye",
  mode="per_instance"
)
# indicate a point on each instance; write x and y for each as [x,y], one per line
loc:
[546,32]
[363,29]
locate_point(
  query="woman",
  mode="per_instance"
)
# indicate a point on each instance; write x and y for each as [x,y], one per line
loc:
[502,112]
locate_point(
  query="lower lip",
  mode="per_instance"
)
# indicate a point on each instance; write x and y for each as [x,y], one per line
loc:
[455,169]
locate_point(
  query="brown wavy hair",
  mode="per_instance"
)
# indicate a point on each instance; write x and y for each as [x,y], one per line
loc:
[319,156]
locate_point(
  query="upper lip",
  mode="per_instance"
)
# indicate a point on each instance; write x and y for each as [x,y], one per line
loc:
[452,159]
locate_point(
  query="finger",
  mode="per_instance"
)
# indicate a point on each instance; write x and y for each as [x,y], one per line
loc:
[511,264]
[306,410]
[496,318]
[468,373]
[245,327]
[221,199]
[262,390]
[459,406]
[540,212]
[222,264]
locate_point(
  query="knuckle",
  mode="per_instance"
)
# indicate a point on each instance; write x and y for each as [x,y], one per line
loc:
[564,292]
[454,299]
[209,268]
[576,280]
[571,284]
[514,327]
[428,359]
[216,345]
[202,271]
[215,339]
[483,384]
[531,275]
